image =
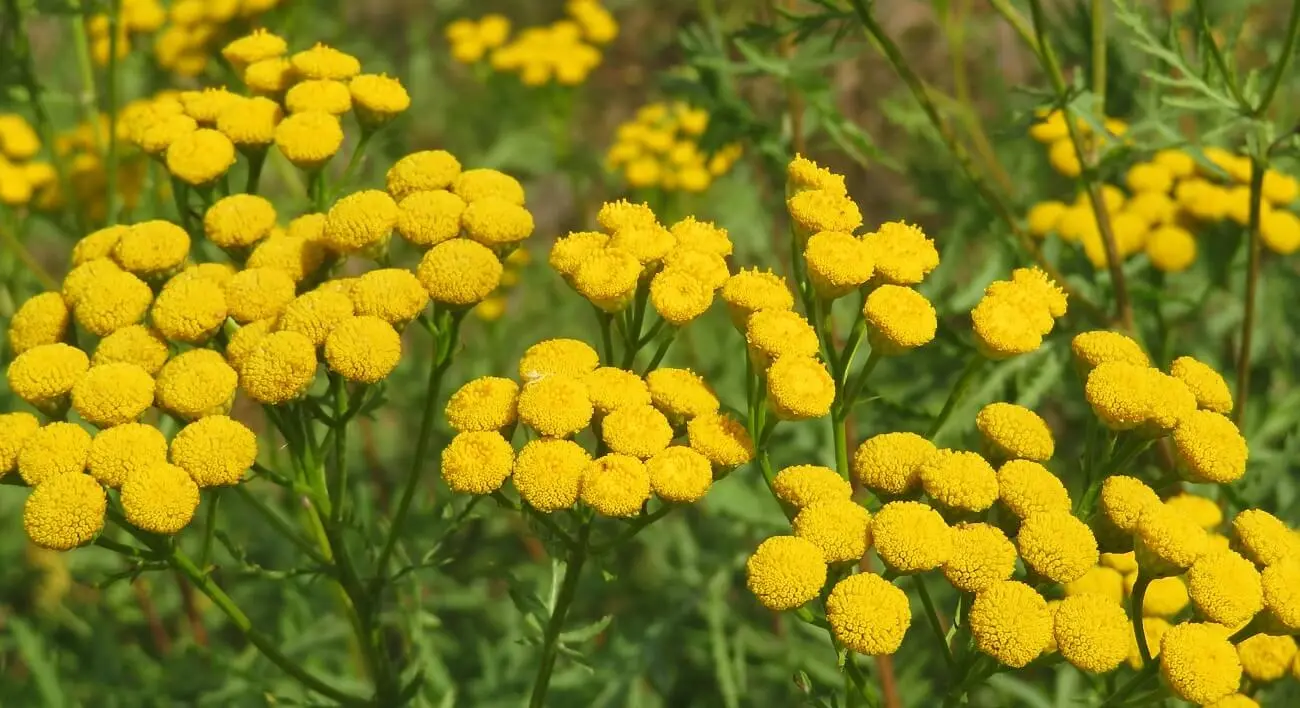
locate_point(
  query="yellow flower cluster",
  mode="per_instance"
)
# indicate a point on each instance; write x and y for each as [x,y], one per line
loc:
[564,52]
[22,177]
[1164,202]
[660,149]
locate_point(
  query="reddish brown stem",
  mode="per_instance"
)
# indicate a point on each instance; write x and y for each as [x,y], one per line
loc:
[161,641]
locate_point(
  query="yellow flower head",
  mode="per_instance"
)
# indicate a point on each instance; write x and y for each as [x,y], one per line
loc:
[43,319]
[204,106]
[269,76]
[1279,230]
[901,252]
[245,340]
[1149,177]
[803,174]
[1165,597]
[799,388]
[189,310]
[66,512]
[378,98]
[555,405]
[394,295]
[195,384]
[868,614]
[751,290]
[612,388]
[43,375]
[838,263]
[911,537]
[254,47]
[569,357]
[114,300]
[1044,217]
[477,462]
[1126,396]
[708,269]
[1064,158]
[679,475]
[15,429]
[785,572]
[1225,587]
[803,485]
[1124,499]
[1010,319]
[259,293]
[814,210]
[119,452]
[1207,385]
[1100,581]
[363,349]
[476,184]
[280,368]
[639,431]
[113,394]
[959,480]
[1027,488]
[891,462]
[56,449]
[325,62]
[1100,346]
[648,243]
[161,132]
[18,139]
[495,222]
[569,252]
[309,139]
[608,278]
[622,214]
[239,221]
[679,296]
[900,319]
[1015,431]
[200,157]
[1155,208]
[1205,512]
[1266,658]
[216,273]
[1125,563]
[1167,543]
[82,279]
[214,451]
[152,248]
[681,393]
[615,485]
[1154,628]
[360,222]
[488,403]
[1210,448]
[718,436]
[1057,546]
[1011,622]
[1198,662]
[772,334]
[324,95]
[160,499]
[548,473]
[459,272]
[315,314]
[704,236]
[97,244]
[1264,538]
[429,217]
[296,256]
[1040,287]
[1172,249]
[424,171]
[981,556]
[840,527]
[135,344]
[1092,632]
[1281,583]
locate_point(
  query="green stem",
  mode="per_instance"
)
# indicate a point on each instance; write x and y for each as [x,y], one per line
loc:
[577,557]
[86,71]
[1216,55]
[110,91]
[340,394]
[1098,13]
[606,335]
[854,390]
[354,161]
[284,528]
[20,251]
[1147,673]
[636,527]
[1257,167]
[256,161]
[972,370]
[210,529]
[660,352]
[839,431]
[181,197]
[1283,60]
[935,625]
[856,336]
[1135,609]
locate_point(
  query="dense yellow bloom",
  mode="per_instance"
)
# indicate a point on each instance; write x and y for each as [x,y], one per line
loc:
[360,222]
[113,394]
[838,263]
[1281,583]
[901,252]
[1172,249]
[1165,597]
[814,210]
[555,405]
[15,429]
[751,290]
[623,214]
[868,614]
[196,383]
[214,451]
[1205,512]
[959,480]
[1154,628]
[245,340]
[44,374]
[1012,317]
[800,388]
[1043,217]
[160,499]
[280,368]
[1064,158]
[803,485]
[615,485]
[708,270]
[152,248]
[639,431]
[1027,488]
[43,319]
[719,437]
[911,537]
[681,393]
[378,98]
[1199,663]
[296,256]
[97,244]
[258,294]
[1125,563]
[115,300]
[1210,448]
[981,556]
[785,572]
[1167,542]
[568,357]
[1266,658]
[309,139]
[200,157]
[429,217]
[841,528]
[1092,632]
[117,453]
[1057,546]
[324,95]
[216,273]
[65,512]
[891,462]
[611,388]
[608,278]
[1149,177]
[82,278]
[1279,231]
[802,173]
[477,462]
[1124,499]
[364,349]
[315,314]
[161,132]
[548,473]
[679,475]
[135,344]
[56,449]
[1264,538]
[648,243]
[459,272]
[495,222]
[679,296]
[394,295]
[569,252]
[900,319]
[1157,209]
[1206,384]
[1126,396]
[775,333]
[189,310]
[476,184]
[485,404]
[269,76]
[239,220]
[1016,431]
[1099,580]
[1100,346]
[1225,587]
[204,106]
[424,171]
[325,62]
[1010,622]
[704,236]
[18,139]
[254,47]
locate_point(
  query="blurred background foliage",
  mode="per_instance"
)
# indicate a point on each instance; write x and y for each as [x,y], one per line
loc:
[667,621]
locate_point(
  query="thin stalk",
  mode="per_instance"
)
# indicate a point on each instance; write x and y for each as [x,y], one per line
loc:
[955,23]
[932,615]
[606,335]
[340,394]
[210,529]
[284,528]
[110,96]
[854,390]
[86,72]
[256,161]
[973,367]
[1216,55]
[1018,23]
[1147,673]
[633,529]
[854,342]
[899,64]
[577,557]
[839,430]
[354,161]
[1135,610]
[660,352]
[20,252]
[1257,167]
[1283,60]
[1098,15]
